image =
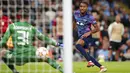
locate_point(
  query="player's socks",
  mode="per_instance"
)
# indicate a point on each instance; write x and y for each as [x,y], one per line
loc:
[11,66]
[83,52]
[54,64]
[95,62]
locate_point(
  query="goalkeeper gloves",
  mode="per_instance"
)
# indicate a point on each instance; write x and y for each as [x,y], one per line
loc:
[60,45]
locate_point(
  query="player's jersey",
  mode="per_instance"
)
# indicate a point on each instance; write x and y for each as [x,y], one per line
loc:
[23,35]
[83,22]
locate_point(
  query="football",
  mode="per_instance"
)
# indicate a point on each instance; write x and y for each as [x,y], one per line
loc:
[42,53]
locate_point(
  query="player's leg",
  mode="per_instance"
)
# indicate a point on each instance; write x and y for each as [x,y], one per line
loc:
[79,45]
[10,66]
[117,55]
[110,55]
[93,60]
[117,51]
[50,61]
[85,42]
[4,55]
[102,68]
[90,41]
[112,46]
[54,64]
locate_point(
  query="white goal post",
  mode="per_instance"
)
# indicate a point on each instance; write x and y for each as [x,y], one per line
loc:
[43,15]
[67,21]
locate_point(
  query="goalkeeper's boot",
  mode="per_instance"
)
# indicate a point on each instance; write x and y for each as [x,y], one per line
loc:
[15,71]
[90,64]
[103,69]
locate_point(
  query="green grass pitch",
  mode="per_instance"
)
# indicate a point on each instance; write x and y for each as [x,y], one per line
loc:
[79,67]
[113,67]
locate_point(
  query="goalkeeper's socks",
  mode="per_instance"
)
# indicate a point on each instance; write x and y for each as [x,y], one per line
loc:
[15,71]
[11,66]
[95,62]
[60,69]
[54,64]
[83,52]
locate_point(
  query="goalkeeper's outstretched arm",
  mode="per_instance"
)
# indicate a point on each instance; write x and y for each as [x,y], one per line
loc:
[45,38]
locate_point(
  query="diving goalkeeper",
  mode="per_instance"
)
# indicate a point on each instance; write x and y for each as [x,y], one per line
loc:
[23,51]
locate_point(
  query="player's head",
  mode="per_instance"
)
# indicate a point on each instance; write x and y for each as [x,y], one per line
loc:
[83,6]
[24,13]
[95,14]
[118,18]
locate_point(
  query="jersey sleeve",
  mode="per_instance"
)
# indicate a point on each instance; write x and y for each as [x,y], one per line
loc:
[93,21]
[45,38]
[5,37]
[74,20]
[109,29]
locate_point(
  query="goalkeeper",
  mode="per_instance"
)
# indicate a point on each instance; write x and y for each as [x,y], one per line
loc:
[23,35]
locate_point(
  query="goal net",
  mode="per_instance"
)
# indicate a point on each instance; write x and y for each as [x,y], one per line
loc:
[48,17]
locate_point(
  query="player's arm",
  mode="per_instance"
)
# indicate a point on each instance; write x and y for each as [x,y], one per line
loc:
[45,38]
[5,37]
[122,30]
[110,29]
[95,25]
[96,28]
[74,23]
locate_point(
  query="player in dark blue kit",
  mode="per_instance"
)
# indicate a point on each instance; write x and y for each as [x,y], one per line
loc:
[83,22]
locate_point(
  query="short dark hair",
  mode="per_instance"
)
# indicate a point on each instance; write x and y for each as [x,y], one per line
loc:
[85,2]
[25,13]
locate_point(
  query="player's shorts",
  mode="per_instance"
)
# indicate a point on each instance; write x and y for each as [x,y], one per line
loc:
[89,41]
[114,45]
[20,58]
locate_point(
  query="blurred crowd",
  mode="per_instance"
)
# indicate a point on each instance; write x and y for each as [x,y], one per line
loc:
[47,17]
